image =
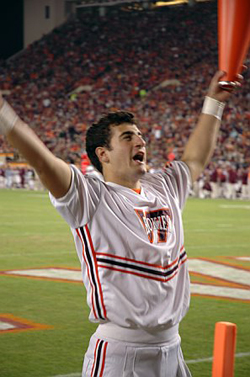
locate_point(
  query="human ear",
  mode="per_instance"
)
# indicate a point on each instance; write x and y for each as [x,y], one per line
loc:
[102,154]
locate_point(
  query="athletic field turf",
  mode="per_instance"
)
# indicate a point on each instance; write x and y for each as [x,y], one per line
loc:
[44,328]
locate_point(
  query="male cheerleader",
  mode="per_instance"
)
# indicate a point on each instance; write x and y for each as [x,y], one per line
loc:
[128,234]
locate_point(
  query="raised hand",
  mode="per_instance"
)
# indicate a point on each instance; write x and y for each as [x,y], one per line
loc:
[217,92]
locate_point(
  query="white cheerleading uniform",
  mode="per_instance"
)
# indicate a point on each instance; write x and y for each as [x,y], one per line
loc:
[132,254]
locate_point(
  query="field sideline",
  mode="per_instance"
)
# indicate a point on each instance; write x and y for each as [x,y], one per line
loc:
[44,327]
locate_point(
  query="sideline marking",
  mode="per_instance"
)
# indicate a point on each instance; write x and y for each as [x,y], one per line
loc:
[10,323]
[220,271]
[195,361]
[243,258]
[53,273]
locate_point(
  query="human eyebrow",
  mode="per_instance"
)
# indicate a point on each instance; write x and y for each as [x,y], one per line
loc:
[130,133]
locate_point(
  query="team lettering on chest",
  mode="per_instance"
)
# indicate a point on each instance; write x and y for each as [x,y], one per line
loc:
[155,223]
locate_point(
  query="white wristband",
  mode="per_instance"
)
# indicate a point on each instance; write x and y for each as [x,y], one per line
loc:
[213,107]
[8,118]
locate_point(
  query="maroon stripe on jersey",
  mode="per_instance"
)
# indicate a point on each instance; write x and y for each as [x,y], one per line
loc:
[89,258]
[161,273]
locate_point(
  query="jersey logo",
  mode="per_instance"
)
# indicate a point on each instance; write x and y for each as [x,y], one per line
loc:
[155,223]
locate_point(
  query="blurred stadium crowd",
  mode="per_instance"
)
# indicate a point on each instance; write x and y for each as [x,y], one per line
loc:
[156,63]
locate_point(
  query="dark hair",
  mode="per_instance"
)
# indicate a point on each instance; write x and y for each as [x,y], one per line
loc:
[99,134]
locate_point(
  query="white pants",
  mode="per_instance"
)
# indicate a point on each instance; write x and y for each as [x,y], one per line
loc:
[231,189]
[215,190]
[244,192]
[112,358]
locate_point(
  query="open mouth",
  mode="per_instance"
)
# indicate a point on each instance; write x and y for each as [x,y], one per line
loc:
[139,157]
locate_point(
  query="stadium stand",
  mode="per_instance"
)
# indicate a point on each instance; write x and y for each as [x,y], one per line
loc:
[155,62]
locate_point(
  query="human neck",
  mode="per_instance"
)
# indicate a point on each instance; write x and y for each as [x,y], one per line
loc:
[122,181]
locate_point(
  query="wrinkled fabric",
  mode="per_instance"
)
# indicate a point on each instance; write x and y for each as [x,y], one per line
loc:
[134,360]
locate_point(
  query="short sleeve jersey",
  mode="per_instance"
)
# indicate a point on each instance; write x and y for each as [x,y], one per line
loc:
[131,247]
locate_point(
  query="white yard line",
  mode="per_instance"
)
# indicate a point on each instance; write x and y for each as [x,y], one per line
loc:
[209,359]
[244,258]
[234,206]
[216,230]
[188,247]
[218,246]
[23,255]
[227,225]
[33,222]
[69,375]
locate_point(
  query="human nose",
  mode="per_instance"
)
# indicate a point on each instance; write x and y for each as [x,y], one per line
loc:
[140,141]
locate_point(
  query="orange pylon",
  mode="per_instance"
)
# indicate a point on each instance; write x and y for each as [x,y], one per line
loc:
[224,349]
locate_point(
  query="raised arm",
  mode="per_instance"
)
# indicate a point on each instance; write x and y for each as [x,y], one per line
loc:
[201,143]
[54,173]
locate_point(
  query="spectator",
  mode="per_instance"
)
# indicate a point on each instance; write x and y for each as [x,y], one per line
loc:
[147,68]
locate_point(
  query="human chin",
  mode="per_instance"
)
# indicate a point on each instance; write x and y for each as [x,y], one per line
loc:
[142,168]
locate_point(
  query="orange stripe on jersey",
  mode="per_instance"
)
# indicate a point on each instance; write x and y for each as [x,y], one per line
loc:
[141,271]
[96,268]
[94,363]
[90,260]
[141,275]
[88,272]
[141,262]
[99,358]
[104,357]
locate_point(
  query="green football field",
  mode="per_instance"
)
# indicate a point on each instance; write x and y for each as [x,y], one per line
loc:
[44,327]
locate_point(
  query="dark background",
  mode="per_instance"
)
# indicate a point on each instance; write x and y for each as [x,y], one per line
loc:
[11,28]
